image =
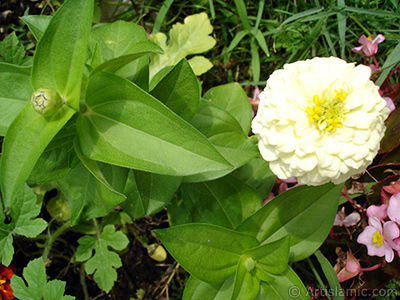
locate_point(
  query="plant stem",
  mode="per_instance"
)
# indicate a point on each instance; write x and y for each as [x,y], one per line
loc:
[53,237]
[321,283]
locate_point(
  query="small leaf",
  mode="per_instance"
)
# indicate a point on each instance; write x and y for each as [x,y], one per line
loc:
[234,100]
[103,262]
[246,285]
[179,90]
[308,221]
[192,37]
[12,51]
[16,90]
[37,24]
[126,126]
[200,64]
[23,212]
[206,251]
[273,256]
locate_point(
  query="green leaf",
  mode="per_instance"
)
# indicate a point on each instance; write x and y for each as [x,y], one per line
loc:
[23,212]
[16,90]
[246,285]
[192,37]
[138,50]
[308,221]
[284,286]
[273,256]
[61,52]
[330,275]
[179,90]
[226,134]
[26,139]
[391,61]
[255,61]
[98,170]
[257,174]
[148,193]
[37,24]
[234,100]
[206,251]
[224,202]
[199,290]
[302,15]
[103,262]
[126,126]
[86,195]
[12,51]
[37,288]
[241,10]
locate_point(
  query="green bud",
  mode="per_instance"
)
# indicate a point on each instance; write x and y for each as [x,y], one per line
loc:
[58,208]
[157,252]
[46,101]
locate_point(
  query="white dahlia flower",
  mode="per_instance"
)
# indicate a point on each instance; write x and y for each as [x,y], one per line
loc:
[320,120]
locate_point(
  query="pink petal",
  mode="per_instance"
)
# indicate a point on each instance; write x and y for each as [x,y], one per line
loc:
[393,188]
[379,39]
[389,103]
[389,254]
[394,208]
[357,49]
[363,40]
[344,275]
[390,231]
[380,212]
[376,223]
[351,219]
[338,221]
[365,237]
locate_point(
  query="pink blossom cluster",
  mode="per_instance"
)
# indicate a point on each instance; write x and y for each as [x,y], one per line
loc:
[382,235]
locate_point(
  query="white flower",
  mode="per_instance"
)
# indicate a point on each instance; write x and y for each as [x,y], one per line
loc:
[320,120]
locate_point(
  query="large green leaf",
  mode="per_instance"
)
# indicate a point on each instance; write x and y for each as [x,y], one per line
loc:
[179,90]
[234,100]
[148,193]
[16,90]
[125,126]
[206,251]
[23,215]
[226,134]
[61,52]
[37,24]
[26,139]
[284,286]
[86,195]
[199,290]
[308,221]
[226,202]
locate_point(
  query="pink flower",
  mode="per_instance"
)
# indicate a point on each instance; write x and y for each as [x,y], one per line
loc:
[379,212]
[369,46]
[394,208]
[373,68]
[389,103]
[350,220]
[351,269]
[388,190]
[379,241]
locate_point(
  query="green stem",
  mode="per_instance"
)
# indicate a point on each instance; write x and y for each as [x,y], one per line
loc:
[82,278]
[53,237]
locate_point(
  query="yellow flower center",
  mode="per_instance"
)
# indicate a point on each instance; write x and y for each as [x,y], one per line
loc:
[327,114]
[377,239]
[2,282]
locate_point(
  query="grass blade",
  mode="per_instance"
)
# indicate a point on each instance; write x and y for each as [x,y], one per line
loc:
[241,9]
[341,16]
[392,60]
[161,15]
[330,275]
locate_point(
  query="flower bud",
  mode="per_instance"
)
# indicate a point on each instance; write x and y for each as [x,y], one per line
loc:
[157,252]
[46,101]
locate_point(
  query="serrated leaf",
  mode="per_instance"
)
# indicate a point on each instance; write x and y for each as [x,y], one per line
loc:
[23,212]
[200,64]
[37,288]
[206,251]
[192,37]
[12,51]
[16,90]
[126,126]
[103,262]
